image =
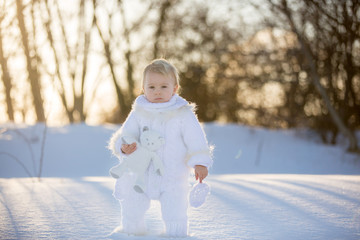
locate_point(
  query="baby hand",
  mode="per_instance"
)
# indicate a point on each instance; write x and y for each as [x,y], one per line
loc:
[200,172]
[128,148]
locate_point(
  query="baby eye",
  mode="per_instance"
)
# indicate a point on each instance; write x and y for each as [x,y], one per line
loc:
[164,86]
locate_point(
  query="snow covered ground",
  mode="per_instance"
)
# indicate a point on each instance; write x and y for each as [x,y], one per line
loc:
[266,184]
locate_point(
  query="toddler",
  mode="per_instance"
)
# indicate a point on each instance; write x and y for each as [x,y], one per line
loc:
[160,108]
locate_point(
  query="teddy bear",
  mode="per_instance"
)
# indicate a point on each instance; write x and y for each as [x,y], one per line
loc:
[139,161]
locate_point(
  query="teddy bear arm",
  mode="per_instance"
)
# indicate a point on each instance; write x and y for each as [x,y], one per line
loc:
[118,170]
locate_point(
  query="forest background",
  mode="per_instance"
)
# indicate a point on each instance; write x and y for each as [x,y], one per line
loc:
[269,63]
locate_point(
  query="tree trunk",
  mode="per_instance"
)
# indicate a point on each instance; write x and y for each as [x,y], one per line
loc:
[32,70]
[159,31]
[124,108]
[7,81]
[86,40]
[61,89]
[129,65]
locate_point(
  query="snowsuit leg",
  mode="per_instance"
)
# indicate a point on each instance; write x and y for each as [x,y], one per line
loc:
[133,207]
[174,205]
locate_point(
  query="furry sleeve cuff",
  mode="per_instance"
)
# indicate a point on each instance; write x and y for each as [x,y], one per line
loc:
[203,158]
[115,143]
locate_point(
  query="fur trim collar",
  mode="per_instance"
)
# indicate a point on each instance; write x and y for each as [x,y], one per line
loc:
[176,105]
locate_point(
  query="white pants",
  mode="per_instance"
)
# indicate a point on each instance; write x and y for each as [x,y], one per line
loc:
[174,205]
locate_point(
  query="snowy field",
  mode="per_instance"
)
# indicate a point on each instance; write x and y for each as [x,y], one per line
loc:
[265,184]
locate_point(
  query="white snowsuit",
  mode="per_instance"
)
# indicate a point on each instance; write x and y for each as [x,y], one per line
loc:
[185,146]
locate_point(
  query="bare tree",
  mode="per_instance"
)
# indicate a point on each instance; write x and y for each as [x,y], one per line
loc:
[31,60]
[163,14]
[58,76]
[314,73]
[74,100]
[5,72]
[84,35]
[121,98]
[120,47]
[128,54]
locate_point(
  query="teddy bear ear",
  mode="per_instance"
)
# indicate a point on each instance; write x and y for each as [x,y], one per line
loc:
[146,128]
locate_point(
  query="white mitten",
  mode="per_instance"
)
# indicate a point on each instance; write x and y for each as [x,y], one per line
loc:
[198,194]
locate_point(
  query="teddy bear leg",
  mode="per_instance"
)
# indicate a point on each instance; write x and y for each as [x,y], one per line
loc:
[117,171]
[158,165]
[140,184]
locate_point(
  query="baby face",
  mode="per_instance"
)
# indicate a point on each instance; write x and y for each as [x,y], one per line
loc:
[159,88]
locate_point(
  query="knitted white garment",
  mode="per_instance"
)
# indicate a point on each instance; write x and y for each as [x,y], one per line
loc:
[134,228]
[176,229]
[198,194]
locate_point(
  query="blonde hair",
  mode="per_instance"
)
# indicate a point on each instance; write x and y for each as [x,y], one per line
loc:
[164,67]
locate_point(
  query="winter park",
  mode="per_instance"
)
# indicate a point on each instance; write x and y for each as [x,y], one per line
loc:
[296,189]
[181,119]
